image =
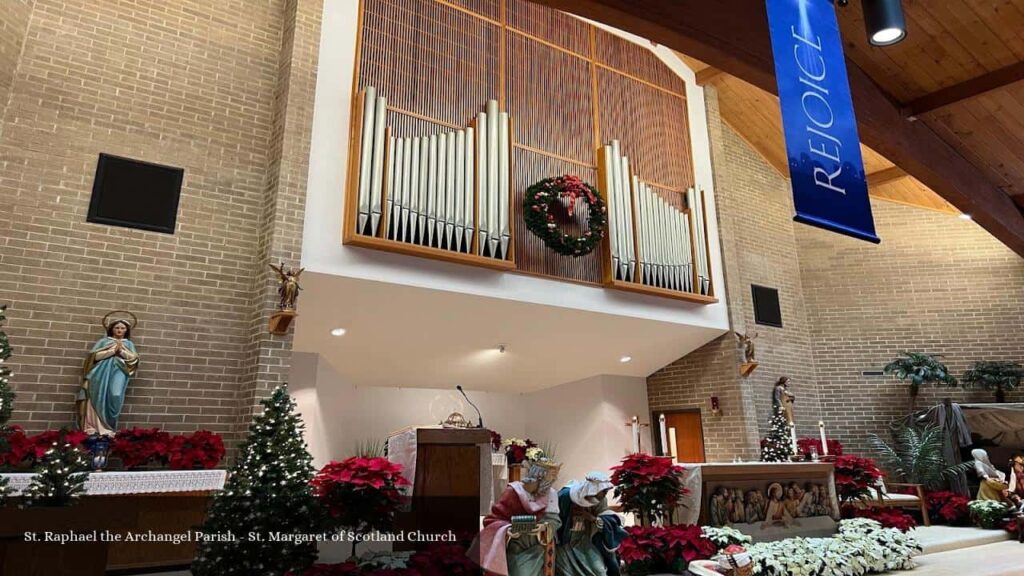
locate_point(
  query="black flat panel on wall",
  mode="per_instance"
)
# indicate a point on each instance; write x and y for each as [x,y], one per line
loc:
[135,194]
[766,306]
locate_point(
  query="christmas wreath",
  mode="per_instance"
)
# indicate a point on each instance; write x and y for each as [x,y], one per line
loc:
[540,216]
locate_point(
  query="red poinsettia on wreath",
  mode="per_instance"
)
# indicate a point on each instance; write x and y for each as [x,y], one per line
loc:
[539,209]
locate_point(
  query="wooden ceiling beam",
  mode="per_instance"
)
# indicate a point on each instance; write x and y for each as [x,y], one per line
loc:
[965,90]
[732,35]
[707,75]
[883,177]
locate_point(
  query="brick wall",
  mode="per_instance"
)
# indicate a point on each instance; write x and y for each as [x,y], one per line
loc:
[759,247]
[205,85]
[13,24]
[935,284]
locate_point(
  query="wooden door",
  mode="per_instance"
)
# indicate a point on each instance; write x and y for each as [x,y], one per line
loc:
[689,434]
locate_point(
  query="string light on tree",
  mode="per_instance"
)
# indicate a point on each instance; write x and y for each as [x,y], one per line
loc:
[6,394]
[267,491]
[778,446]
[60,476]
[6,397]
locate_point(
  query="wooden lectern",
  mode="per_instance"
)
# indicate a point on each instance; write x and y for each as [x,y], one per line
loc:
[449,483]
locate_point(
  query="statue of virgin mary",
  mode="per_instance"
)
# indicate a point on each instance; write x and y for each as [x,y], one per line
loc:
[109,367]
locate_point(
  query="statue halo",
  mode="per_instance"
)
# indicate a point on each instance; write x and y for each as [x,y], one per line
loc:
[107,320]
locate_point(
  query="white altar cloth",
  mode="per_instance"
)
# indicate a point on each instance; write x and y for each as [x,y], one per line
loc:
[146,482]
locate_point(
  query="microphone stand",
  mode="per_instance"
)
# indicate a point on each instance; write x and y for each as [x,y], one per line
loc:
[480,419]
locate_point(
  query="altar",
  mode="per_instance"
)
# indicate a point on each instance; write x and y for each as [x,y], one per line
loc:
[765,500]
[91,537]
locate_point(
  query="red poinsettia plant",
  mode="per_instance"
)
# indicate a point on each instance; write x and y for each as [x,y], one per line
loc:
[516,449]
[669,549]
[17,447]
[804,445]
[650,486]
[140,446]
[361,494]
[947,507]
[855,476]
[24,451]
[201,449]
[887,517]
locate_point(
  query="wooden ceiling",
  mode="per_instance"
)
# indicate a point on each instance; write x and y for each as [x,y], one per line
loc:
[958,72]
[754,115]
[946,105]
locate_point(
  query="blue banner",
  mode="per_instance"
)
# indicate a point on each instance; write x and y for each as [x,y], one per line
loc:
[830,188]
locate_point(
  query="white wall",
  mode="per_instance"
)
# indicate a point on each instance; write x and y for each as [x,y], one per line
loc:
[322,250]
[584,420]
[339,416]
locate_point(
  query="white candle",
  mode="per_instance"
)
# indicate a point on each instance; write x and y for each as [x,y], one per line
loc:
[824,442]
[672,444]
[664,436]
[792,433]
[636,434]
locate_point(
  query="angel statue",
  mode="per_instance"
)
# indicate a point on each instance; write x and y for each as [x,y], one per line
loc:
[289,289]
[748,346]
[108,369]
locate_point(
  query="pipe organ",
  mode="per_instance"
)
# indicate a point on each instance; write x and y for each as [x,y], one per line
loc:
[448,191]
[650,241]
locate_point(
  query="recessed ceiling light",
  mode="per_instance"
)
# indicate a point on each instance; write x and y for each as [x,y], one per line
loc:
[965,216]
[625,359]
[338,332]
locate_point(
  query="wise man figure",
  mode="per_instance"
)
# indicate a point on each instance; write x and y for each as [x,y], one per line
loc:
[518,537]
[590,534]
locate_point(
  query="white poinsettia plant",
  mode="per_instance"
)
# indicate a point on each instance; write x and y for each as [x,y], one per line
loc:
[725,536]
[862,546]
[513,442]
[988,513]
[534,454]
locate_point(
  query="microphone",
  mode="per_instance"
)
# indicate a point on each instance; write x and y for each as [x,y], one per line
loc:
[480,418]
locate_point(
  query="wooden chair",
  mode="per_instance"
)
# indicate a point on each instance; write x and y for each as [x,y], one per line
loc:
[895,500]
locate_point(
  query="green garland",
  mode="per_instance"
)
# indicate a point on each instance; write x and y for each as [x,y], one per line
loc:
[539,219]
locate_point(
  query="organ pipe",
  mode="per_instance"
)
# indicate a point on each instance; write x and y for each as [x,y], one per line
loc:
[670,251]
[436,190]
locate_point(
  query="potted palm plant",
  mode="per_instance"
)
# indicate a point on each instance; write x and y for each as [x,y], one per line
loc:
[997,376]
[919,369]
[916,456]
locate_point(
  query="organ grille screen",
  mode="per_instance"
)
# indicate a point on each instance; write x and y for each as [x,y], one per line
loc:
[569,88]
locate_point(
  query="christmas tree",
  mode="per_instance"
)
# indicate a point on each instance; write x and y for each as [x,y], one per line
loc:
[60,476]
[778,446]
[267,492]
[6,396]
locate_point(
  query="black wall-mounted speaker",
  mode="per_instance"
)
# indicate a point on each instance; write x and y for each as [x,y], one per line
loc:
[766,306]
[135,194]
